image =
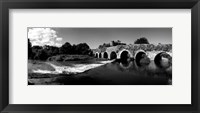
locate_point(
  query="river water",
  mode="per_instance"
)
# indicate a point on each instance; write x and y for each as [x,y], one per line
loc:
[130,73]
[109,72]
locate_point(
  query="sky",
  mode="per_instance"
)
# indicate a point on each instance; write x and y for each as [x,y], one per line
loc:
[97,36]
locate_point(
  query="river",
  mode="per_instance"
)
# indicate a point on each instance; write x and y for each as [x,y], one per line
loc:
[118,73]
[111,73]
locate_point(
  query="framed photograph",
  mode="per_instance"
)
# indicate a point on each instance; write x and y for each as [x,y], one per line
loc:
[99,56]
[53,60]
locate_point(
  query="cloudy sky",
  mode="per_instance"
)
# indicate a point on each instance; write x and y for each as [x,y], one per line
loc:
[96,36]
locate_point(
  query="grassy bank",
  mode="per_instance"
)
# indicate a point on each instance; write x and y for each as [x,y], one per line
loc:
[69,58]
[35,65]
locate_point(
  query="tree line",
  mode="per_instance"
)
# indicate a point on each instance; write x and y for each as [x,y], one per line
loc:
[44,52]
[142,40]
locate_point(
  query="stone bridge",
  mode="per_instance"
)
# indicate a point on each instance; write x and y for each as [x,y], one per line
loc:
[133,51]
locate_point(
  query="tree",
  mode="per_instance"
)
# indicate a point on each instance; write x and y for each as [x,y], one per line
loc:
[113,43]
[141,40]
[44,52]
[91,53]
[83,49]
[41,55]
[35,51]
[118,41]
[66,48]
[51,50]
[100,46]
[29,49]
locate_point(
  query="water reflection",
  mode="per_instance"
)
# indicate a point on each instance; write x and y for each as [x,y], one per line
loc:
[126,65]
[135,73]
[163,60]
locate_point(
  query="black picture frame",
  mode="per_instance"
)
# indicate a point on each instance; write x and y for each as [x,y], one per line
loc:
[5,5]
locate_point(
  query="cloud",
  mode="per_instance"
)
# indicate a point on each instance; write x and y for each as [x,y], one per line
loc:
[44,36]
[59,39]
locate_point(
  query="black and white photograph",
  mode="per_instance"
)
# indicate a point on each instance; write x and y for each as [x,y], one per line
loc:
[99,56]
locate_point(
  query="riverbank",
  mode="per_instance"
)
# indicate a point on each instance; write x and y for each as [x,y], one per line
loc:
[69,58]
[64,67]
[58,73]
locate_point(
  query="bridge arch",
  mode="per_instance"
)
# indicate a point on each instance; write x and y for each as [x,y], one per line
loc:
[96,54]
[113,55]
[138,52]
[124,55]
[163,60]
[138,56]
[100,55]
[105,55]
